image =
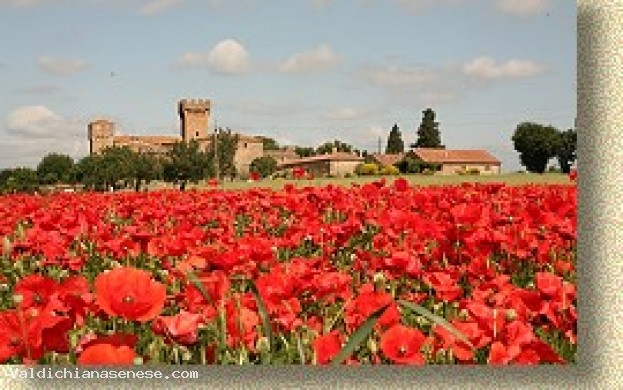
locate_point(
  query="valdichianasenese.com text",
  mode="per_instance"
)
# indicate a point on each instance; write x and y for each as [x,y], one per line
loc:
[80,373]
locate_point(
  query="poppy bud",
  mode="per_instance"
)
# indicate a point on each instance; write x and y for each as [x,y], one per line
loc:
[186,355]
[263,345]
[17,298]
[379,281]
[372,346]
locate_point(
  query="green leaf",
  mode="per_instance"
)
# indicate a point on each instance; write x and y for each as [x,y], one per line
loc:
[436,319]
[261,308]
[357,338]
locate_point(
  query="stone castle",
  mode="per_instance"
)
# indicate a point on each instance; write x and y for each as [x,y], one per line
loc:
[194,118]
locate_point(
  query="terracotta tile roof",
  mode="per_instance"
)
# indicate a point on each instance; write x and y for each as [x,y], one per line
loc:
[340,156]
[388,159]
[279,154]
[455,156]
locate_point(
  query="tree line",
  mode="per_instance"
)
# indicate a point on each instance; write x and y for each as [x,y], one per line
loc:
[120,167]
[184,163]
[536,144]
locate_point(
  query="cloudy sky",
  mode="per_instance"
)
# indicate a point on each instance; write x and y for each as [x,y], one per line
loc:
[300,71]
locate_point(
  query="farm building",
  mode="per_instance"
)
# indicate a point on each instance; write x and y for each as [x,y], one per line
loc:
[455,161]
[194,117]
[333,164]
[385,160]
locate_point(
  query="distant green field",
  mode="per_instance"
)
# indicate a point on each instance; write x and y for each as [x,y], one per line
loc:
[422,180]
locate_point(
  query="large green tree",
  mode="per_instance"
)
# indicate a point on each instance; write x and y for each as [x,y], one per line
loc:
[567,153]
[56,167]
[184,163]
[90,174]
[115,164]
[536,144]
[20,179]
[328,147]
[227,144]
[112,168]
[264,166]
[145,168]
[303,151]
[395,144]
[269,143]
[428,134]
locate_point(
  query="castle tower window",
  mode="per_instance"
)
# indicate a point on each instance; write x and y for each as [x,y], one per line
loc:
[197,134]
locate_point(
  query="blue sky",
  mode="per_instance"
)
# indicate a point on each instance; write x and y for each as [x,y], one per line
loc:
[300,71]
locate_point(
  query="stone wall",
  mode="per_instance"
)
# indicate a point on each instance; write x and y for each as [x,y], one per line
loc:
[194,117]
[100,133]
[484,169]
[341,168]
[248,150]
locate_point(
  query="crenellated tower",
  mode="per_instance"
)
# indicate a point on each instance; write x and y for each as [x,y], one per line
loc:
[194,116]
[101,135]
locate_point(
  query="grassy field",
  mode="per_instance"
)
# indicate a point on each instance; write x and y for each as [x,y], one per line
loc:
[421,180]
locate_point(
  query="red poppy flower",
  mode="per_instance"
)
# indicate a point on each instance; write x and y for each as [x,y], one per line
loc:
[401,184]
[35,290]
[573,174]
[549,284]
[402,345]
[130,293]
[107,354]
[327,346]
[503,354]
[358,310]
[181,328]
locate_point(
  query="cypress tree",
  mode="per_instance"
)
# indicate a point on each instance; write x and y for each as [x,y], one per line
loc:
[395,144]
[428,132]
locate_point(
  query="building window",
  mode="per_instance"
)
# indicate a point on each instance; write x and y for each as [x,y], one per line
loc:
[197,133]
[245,145]
[487,168]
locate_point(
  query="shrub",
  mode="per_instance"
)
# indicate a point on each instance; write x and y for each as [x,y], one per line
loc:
[473,171]
[390,170]
[265,166]
[367,169]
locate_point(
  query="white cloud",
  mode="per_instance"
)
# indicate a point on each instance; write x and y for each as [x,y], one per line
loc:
[393,76]
[157,6]
[522,7]
[60,66]
[41,123]
[192,59]
[487,68]
[228,57]
[320,59]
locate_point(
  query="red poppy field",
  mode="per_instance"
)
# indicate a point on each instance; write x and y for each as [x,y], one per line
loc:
[381,273]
